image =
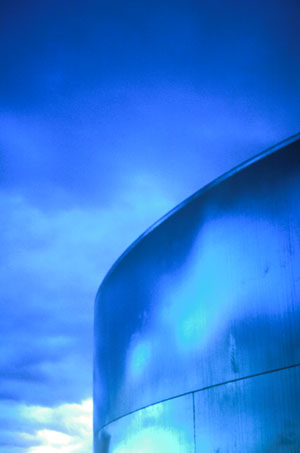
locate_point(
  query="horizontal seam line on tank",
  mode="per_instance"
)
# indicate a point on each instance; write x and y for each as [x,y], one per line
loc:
[208,387]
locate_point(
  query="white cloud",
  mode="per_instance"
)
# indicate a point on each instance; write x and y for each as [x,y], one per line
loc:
[66,427]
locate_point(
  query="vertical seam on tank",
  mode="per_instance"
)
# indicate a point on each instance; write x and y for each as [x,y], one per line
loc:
[194,421]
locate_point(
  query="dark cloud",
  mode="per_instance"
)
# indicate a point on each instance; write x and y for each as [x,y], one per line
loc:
[62,46]
[95,92]
[51,266]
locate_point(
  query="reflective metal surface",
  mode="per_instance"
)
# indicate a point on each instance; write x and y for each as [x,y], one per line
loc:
[260,415]
[161,428]
[209,295]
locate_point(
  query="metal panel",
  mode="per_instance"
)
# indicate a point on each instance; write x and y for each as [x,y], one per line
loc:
[260,415]
[164,427]
[210,294]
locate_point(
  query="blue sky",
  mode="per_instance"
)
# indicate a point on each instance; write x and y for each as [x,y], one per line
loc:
[111,113]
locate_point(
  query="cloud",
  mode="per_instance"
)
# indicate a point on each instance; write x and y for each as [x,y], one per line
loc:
[42,429]
[51,267]
[111,115]
[175,135]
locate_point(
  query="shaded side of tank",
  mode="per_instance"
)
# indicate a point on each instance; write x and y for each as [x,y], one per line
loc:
[197,327]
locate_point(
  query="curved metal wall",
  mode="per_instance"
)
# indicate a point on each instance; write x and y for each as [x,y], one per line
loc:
[197,325]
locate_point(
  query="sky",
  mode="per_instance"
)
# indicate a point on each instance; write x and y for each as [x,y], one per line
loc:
[111,113]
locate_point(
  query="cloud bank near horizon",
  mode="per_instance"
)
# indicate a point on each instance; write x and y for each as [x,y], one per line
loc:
[43,429]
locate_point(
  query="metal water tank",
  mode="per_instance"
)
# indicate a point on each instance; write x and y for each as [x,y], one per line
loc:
[197,325]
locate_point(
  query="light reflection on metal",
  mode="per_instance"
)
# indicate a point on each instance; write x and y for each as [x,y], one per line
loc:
[197,325]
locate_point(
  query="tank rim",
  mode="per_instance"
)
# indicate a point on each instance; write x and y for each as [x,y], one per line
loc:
[236,169]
